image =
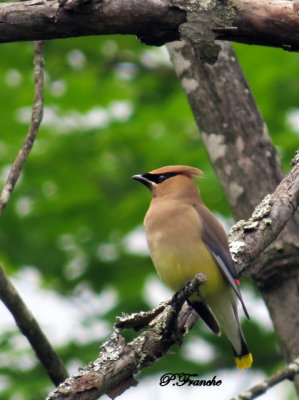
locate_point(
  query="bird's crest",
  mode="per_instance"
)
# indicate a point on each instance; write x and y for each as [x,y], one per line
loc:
[191,172]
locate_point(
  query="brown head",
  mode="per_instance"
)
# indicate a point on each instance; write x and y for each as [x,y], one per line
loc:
[175,181]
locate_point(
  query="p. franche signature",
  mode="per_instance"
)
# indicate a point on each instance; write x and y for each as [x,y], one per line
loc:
[183,379]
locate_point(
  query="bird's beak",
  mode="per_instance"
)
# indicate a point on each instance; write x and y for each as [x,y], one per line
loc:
[143,180]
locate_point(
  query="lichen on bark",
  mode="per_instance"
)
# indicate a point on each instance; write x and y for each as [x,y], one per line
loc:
[202,17]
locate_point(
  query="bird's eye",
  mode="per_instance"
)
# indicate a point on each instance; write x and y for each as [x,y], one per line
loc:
[162,178]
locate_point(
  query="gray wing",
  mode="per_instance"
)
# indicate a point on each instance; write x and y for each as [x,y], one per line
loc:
[226,268]
[215,239]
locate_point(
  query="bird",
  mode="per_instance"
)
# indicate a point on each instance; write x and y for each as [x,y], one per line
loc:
[185,238]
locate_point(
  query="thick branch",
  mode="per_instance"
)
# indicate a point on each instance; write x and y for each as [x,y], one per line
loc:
[248,239]
[231,126]
[113,371]
[36,118]
[154,22]
[288,372]
[265,22]
[30,328]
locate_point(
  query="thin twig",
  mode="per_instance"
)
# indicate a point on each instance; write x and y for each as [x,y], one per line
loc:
[8,294]
[30,328]
[143,318]
[138,320]
[288,372]
[36,117]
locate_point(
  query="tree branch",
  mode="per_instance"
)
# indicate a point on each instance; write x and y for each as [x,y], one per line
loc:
[265,22]
[8,294]
[154,22]
[288,372]
[113,371]
[36,117]
[231,126]
[248,239]
[30,328]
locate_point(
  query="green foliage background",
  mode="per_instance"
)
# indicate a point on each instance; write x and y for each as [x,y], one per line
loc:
[77,187]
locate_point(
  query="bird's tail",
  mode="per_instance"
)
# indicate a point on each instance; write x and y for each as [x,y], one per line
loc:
[224,309]
[244,358]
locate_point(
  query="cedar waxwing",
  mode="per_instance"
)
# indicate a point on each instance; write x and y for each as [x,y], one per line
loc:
[185,238]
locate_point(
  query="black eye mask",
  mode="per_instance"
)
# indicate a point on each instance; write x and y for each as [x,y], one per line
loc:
[159,178]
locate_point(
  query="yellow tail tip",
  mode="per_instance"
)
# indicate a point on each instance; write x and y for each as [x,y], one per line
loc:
[244,361]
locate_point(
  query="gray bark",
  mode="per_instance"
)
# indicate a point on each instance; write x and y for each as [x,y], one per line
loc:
[153,22]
